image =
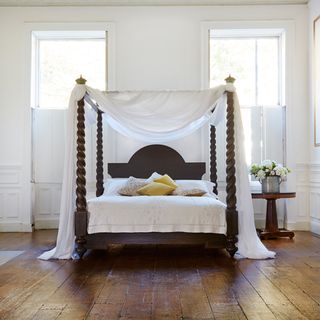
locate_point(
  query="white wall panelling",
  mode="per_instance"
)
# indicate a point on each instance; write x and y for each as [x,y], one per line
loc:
[47,205]
[47,165]
[315,197]
[12,216]
[48,154]
[302,219]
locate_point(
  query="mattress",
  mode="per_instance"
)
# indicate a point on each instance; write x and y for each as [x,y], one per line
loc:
[156,214]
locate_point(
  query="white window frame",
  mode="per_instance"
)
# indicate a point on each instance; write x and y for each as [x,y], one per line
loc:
[29,27]
[38,36]
[255,34]
[35,31]
[286,27]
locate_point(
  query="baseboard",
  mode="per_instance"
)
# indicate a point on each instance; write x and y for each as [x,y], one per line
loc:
[15,227]
[46,224]
[299,225]
[315,226]
[260,223]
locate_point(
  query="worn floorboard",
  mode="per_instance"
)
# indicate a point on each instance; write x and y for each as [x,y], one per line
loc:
[160,282]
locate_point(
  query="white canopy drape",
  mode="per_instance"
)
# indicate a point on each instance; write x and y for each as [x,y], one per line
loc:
[158,117]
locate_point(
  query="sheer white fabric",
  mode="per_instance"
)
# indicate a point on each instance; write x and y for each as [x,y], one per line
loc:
[65,239]
[158,117]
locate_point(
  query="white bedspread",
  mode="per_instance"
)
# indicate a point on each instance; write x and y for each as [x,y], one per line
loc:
[156,214]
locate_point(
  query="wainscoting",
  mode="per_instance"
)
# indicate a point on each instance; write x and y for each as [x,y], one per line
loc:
[12,213]
[48,156]
[306,206]
[47,205]
[302,201]
[315,197]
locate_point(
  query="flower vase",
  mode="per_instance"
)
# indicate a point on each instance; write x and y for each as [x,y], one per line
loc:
[271,184]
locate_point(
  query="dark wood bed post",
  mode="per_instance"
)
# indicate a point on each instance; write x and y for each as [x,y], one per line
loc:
[231,211]
[213,159]
[81,202]
[99,167]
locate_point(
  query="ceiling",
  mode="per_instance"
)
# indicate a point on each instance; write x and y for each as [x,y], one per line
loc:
[26,3]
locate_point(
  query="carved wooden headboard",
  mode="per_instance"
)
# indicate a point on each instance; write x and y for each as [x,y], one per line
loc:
[159,158]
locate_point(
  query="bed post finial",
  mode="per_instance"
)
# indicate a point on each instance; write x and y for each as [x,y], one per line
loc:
[81,80]
[230,79]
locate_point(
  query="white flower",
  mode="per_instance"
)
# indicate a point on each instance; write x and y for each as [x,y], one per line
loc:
[267,164]
[268,168]
[280,171]
[261,174]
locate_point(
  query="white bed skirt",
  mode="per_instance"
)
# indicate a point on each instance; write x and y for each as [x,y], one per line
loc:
[156,214]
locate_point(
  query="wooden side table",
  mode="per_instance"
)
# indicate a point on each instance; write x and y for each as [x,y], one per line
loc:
[271,230]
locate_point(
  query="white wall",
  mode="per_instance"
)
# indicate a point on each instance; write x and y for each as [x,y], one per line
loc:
[156,48]
[314,173]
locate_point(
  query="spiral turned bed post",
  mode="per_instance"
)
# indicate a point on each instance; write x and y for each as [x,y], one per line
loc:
[99,166]
[213,159]
[231,211]
[81,202]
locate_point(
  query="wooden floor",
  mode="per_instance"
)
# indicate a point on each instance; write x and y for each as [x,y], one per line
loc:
[160,282]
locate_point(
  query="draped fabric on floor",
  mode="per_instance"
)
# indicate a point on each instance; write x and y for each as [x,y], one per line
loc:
[156,117]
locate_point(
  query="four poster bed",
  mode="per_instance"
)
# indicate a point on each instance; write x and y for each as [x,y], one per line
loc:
[154,158]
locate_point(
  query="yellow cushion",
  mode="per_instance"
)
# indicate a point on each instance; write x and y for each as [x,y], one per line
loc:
[166,180]
[155,189]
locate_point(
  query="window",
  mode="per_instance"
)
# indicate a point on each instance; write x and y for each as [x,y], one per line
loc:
[255,59]
[59,57]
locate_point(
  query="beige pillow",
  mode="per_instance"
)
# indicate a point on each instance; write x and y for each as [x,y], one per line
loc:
[195,192]
[155,189]
[132,186]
